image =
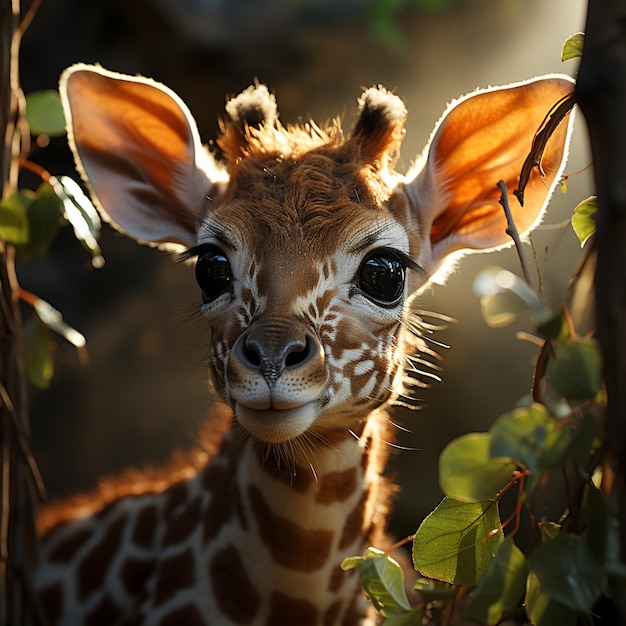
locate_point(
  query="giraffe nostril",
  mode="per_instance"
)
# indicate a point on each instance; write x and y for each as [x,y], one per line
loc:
[250,356]
[296,357]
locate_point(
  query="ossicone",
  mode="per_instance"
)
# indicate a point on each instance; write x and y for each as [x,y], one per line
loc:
[253,108]
[379,128]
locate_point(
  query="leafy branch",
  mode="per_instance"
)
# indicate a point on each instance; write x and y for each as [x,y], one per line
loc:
[30,221]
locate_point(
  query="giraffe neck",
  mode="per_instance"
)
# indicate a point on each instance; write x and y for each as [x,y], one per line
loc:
[291,526]
[247,539]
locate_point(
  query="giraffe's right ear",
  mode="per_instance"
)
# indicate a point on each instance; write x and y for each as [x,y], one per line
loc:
[137,146]
[482,139]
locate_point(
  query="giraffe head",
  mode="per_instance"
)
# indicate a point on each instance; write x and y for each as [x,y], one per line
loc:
[307,242]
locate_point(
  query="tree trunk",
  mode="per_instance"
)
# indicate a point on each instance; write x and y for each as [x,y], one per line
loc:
[601,95]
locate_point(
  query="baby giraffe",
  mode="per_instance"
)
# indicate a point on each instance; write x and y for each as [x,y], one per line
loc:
[307,245]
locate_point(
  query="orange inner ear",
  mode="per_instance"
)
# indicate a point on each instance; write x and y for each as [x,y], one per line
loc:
[483,140]
[150,126]
[137,145]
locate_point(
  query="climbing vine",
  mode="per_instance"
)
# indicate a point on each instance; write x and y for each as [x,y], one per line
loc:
[489,549]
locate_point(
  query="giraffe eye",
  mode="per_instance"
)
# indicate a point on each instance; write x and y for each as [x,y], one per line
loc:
[213,273]
[381,278]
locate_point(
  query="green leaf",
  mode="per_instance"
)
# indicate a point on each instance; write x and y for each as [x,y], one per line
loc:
[503,296]
[527,434]
[501,587]
[44,217]
[414,618]
[38,353]
[30,220]
[557,328]
[456,542]
[81,214]
[467,472]
[542,610]
[549,530]
[501,309]
[44,113]
[584,219]
[14,226]
[576,373]
[568,571]
[595,516]
[382,580]
[573,47]
[433,590]
[579,435]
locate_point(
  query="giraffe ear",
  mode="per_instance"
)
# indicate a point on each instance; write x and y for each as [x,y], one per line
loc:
[482,139]
[137,146]
[379,128]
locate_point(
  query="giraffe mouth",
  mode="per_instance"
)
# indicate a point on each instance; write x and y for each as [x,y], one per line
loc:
[277,425]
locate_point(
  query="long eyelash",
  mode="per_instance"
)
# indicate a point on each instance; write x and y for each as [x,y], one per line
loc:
[410,263]
[194,251]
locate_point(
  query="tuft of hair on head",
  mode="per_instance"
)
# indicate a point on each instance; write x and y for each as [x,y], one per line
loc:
[379,128]
[252,108]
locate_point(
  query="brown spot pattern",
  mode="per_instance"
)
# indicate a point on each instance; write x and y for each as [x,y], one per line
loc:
[145,527]
[66,550]
[331,613]
[109,508]
[288,611]
[336,437]
[219,511]
[183,524]
[239,507]
[336,579]
[234,592]
[291,546]
[299,479]
[104,614]
[213,476]
[94,567]
[337,486]
[135,573]
[183,616]
[355,613]
[176,496]
[353,528]
[51,599]
[177,572]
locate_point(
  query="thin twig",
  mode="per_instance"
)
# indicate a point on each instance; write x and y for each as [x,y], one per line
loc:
[511,231]
[30,16]
[545,354]
[22,440]
[5,514]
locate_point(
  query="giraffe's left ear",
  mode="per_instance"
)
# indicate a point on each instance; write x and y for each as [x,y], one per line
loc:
[137,147]
[482,139]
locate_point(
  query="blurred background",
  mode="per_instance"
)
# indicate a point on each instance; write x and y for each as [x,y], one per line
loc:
[143,393]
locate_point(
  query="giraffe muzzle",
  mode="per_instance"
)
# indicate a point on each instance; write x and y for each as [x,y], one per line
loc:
[276,374]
